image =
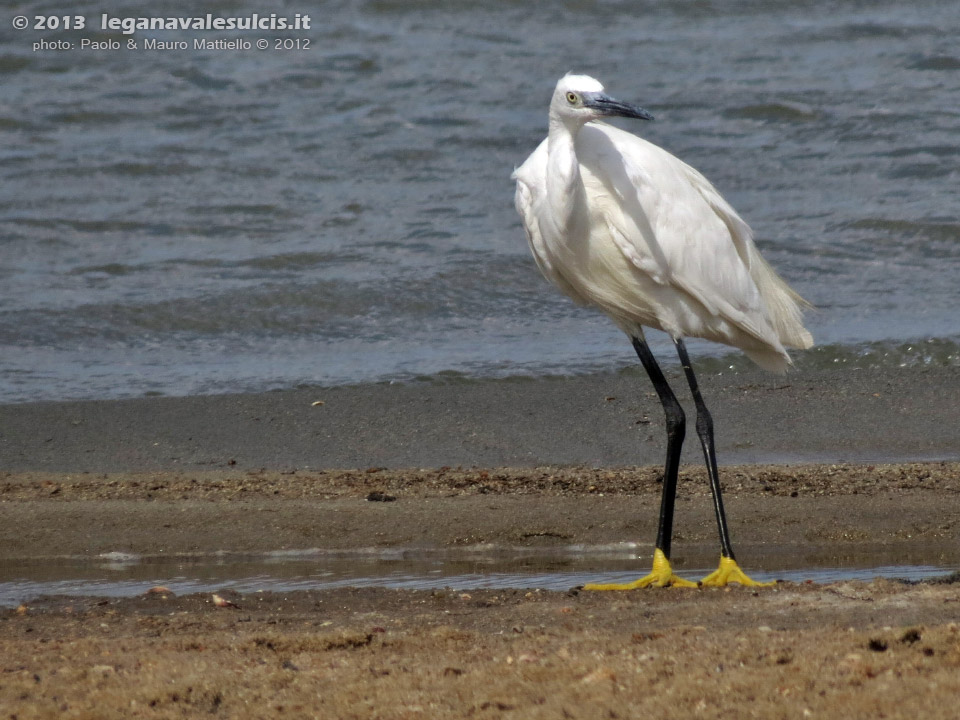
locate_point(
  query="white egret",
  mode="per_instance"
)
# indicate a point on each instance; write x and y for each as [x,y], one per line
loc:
[620,224]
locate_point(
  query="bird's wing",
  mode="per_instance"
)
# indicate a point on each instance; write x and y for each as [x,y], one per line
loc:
[783,304]
[673,226]
[531,182]
[531,179]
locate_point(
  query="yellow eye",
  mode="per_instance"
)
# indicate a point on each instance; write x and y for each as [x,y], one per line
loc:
[572,98]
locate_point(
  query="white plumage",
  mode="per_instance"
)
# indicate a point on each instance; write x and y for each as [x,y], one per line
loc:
[621,224]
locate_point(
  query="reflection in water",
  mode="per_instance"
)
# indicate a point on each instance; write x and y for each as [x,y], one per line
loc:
[123,575]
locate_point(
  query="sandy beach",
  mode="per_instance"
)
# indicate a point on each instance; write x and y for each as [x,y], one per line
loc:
[819,469]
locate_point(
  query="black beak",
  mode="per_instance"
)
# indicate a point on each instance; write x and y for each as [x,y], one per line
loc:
[606,105]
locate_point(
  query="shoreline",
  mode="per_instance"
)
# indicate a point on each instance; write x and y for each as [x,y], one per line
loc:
[604,420]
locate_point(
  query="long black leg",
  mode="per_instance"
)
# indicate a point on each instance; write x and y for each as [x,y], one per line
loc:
[676,427]
[705,432]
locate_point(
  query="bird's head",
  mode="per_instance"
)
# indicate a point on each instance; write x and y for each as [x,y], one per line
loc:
[579,99]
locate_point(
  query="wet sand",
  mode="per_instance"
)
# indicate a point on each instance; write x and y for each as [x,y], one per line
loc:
[607,420]
[790,516]
[532,464]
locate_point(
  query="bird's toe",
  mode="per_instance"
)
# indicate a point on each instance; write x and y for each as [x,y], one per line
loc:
[662,575]
[729,572]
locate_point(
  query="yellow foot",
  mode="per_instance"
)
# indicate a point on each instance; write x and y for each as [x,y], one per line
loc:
[662,576]
[729,572]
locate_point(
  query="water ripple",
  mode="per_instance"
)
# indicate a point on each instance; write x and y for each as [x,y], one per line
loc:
[210,220]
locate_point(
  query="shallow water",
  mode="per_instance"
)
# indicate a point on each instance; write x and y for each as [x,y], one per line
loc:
[124,575]
[196,221]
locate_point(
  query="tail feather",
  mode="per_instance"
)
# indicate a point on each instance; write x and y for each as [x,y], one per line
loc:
[778,362]
[786,306]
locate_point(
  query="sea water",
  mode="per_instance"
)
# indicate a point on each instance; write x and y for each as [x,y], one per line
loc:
[205,221]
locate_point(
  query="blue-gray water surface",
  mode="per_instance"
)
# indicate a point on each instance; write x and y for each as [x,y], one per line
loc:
[203,221]
[119,574]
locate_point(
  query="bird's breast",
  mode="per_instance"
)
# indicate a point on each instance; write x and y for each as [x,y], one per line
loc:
[586,256]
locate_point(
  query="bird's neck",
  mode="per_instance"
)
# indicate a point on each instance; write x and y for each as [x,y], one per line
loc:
[564,186]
